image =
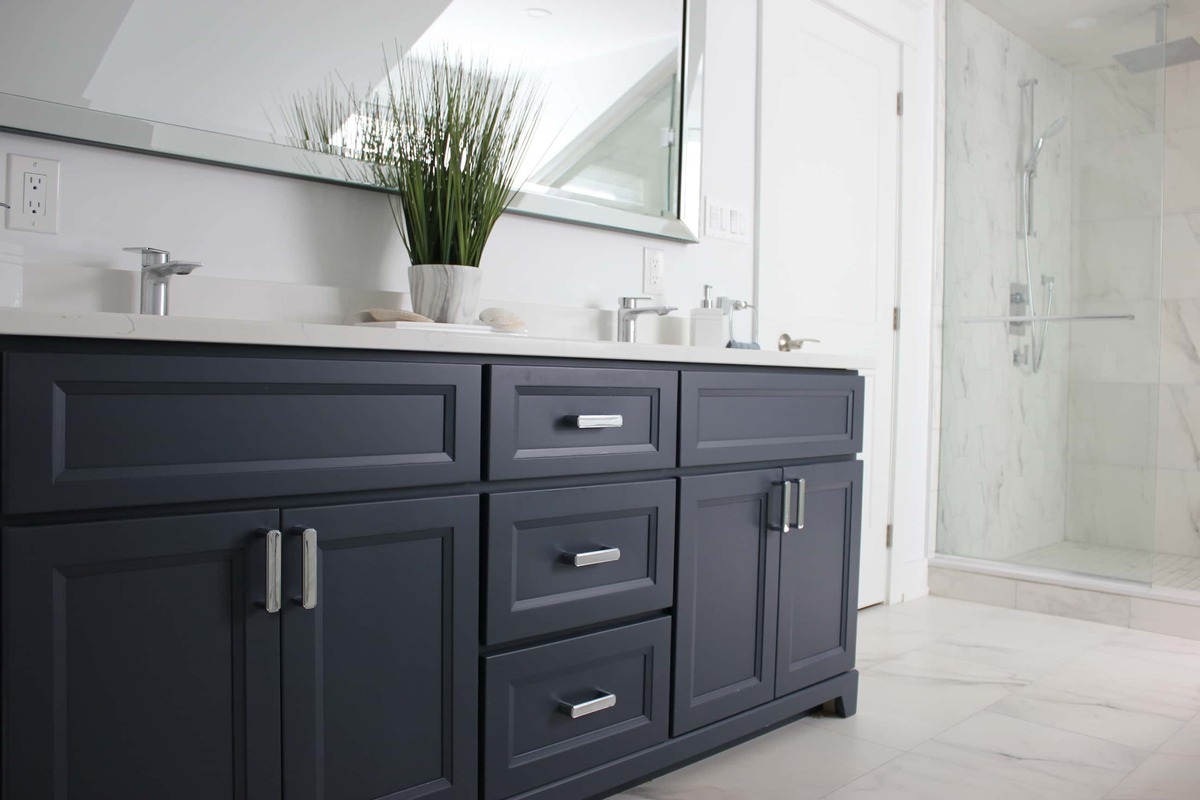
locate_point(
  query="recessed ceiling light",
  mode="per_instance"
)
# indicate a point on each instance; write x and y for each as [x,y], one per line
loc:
[1081,23]
[539,13]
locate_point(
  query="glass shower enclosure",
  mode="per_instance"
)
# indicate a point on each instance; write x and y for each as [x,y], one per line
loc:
[1070,366]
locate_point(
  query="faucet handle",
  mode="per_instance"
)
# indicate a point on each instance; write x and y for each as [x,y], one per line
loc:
[632,302]
[151,256]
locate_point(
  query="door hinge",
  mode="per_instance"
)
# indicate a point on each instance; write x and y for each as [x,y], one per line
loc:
[896,318]
[899,104]
[889,534]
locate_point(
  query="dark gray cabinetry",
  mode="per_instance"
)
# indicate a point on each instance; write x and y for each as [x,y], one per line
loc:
[562,708]
[736,417]
[101,431]
[268,574]
[151,665]
[559,559]
[140,660]
[728,596]
[547,421]
[379,681]
[818,576]
[762,612]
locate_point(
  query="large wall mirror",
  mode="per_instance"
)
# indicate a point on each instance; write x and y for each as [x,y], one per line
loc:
[618,143]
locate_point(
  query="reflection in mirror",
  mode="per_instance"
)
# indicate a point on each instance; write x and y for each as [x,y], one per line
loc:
[620,116]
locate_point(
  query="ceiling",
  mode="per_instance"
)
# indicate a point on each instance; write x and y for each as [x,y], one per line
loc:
[1085,34]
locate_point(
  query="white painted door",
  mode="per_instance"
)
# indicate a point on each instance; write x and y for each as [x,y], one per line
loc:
[828,217]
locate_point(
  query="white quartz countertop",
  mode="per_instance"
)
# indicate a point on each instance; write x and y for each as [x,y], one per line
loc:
[30,322]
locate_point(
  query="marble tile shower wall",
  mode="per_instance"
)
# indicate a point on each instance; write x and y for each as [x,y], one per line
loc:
[1117,141]
[1178,479]
[1003,450]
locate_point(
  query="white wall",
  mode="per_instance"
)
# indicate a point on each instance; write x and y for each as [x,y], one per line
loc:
[262,227]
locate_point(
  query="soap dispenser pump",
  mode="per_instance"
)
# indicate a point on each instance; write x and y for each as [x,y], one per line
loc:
[710,324]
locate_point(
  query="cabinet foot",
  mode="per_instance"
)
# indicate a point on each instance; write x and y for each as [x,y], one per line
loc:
[846,704]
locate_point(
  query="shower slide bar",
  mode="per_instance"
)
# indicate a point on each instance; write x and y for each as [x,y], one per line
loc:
[1061,318]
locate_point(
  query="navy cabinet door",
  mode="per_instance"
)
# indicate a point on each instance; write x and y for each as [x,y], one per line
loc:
[140,660]
[818,575]
[380,684]
[728,595]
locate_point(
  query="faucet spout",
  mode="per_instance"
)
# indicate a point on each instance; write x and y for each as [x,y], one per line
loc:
[172,268]
[157,270]
[628,313]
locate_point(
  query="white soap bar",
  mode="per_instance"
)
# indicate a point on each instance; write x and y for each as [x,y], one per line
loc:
[501,319]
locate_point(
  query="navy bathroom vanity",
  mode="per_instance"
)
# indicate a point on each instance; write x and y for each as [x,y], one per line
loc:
[241,571]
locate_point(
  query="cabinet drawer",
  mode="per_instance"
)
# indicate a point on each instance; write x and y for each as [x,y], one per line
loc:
[548,421]
[564,558]
[96,431]
[562,708]
[729,418]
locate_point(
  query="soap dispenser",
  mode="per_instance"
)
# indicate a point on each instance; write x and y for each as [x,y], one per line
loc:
[710,324]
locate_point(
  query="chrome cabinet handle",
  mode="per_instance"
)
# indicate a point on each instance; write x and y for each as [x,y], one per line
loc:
[274,573]
[590,421]
[786,524]
[802,488]
[577,710]
[308,568]
[602,556]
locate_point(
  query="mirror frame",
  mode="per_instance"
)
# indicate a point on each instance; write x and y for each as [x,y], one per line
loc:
[24,115]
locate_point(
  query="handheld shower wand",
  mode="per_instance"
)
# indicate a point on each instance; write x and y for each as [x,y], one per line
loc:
[1038,339]
[1054,129]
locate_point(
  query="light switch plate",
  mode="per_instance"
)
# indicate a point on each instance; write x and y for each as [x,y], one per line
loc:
[32,194]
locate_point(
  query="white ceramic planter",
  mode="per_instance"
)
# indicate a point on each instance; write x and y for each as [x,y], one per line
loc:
[445,292]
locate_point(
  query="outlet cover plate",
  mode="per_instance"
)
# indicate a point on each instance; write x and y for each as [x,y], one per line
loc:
[654,268]
[32,194]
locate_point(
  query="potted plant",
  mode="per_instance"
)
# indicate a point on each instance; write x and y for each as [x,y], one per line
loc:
[445,136]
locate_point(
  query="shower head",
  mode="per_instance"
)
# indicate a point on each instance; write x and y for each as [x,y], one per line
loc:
[1160,56]
[1054,129]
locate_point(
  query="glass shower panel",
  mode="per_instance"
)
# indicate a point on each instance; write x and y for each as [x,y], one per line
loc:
[1177,533]
[1054,181]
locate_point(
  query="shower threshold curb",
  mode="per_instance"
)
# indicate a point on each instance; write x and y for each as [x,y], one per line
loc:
[1125,604]
[1070,580]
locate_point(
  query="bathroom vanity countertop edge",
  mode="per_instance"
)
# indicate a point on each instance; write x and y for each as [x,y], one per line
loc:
[99,325]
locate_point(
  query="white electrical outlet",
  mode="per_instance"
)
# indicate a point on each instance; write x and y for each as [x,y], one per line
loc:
[654,267]
[32,194]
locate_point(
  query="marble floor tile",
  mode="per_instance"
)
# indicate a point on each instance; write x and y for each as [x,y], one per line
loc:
[975,702]
[883,635]
[1184,653]
[796,762]
[1184,743]
[992,756]
[905,701]
[1108,695]
[1161,777]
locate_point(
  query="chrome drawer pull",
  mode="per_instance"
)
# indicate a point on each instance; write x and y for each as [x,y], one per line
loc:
[802,488]
[591,557]
[786,524]
[308,568]
[590,421]
[274,573]
[577,710]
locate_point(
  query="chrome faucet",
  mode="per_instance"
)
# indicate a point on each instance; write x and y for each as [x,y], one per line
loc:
[157,269]
[628,313]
